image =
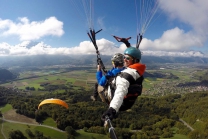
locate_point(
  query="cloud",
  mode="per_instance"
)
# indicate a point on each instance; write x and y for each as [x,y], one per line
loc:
[36,48]
[190,12]
[86,47]
[174,54]
[34,30]
[172,40]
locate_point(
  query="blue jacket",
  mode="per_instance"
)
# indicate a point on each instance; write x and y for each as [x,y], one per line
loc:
[101,79]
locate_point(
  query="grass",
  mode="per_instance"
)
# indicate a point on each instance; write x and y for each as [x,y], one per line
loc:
[199,125]
[38,93]
[6,108]
[1,136]
[177,136]
[57,79]
[46,131]
[85,135]
[49,122]
[52,133]
[146,86]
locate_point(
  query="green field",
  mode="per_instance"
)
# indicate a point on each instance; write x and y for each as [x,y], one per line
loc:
[47,131]
[76,79]
[84,79]
[49,122]
[177,136]
[85,135]
[6,108]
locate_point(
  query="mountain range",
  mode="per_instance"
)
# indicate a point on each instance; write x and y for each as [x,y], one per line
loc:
[87,60]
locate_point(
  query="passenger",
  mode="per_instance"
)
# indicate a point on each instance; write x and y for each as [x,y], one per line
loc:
[104,80]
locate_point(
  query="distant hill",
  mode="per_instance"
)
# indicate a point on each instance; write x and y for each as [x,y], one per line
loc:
[167,59]
[80,60]
[6,75]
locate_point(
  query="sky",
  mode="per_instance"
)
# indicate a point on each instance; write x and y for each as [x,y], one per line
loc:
[37,27]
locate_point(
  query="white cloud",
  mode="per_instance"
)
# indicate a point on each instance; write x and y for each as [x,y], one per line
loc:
[172,40]
[34,48]
[86,47]
[190,12]
[34,30]
[174,54]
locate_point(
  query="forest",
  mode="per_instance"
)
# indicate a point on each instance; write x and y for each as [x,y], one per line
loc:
[152,117]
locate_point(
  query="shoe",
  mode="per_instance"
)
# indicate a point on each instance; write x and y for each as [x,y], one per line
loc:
[93,98]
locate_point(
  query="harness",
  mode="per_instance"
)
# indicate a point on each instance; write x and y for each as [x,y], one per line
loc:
[104,92]
[134,90]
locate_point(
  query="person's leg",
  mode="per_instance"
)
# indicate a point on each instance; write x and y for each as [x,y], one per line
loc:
[95,94]
[101,93]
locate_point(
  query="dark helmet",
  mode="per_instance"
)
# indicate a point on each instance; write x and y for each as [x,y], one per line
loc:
[134,52]
[118,59]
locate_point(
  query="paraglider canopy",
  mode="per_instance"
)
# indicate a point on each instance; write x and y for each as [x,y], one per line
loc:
[54,101]
[147,10]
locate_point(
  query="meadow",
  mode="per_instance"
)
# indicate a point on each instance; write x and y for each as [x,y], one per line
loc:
[72,79]
[82,78]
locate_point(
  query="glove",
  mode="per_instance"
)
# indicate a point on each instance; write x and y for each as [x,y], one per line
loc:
[125,41]
[110,113]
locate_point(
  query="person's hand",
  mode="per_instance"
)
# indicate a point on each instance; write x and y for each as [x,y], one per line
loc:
[98,68]
[124,40]
[110,113]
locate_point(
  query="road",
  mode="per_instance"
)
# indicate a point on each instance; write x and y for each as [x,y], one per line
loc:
[186,124]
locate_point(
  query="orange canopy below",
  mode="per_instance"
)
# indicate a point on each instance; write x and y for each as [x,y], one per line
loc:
[54,101]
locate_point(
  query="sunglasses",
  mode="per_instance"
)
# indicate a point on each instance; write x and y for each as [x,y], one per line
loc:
[127,57]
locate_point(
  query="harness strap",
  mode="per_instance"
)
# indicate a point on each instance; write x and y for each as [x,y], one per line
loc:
[131,95]
[128,77]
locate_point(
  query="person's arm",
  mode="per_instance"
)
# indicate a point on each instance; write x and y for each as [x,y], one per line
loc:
[115,71]
[115,104]
[122,85]
[102,78]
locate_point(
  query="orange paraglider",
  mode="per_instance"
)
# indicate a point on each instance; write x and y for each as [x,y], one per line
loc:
[54,101]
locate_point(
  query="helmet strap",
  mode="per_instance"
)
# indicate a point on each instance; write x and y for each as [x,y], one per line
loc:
[137,60]
[117,64]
